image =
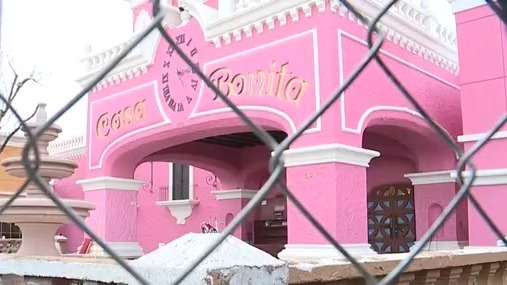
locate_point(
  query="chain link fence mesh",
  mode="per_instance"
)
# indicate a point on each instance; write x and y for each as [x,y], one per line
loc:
[375,39]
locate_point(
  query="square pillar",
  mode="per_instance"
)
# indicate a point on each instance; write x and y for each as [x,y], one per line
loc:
[330,181]
[433,191]
[490,190]
[483,79]
[115,218]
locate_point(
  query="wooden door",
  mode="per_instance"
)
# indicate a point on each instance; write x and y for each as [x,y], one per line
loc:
[391,218]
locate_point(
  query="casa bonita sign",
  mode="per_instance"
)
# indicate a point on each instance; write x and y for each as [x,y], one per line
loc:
[277,82]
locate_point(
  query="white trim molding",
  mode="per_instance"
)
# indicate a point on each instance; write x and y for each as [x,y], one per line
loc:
[127,250]
[442,245]
[486,177]
[329,153]
[180,209]
[234,194]
[110,183]
[463,5]
[477,137]
[314,252]
[434,177]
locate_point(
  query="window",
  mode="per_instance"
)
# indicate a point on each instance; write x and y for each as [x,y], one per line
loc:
[9,231]
[180,182]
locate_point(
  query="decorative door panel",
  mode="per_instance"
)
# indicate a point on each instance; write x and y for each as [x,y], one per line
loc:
[391,219]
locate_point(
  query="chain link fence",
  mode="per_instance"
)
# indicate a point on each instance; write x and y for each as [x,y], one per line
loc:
[375,39]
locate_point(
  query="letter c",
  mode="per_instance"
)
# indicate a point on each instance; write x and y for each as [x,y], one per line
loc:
[102,128]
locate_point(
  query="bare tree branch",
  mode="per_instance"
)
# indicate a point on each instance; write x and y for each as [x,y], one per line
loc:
[15,88]
[8,138]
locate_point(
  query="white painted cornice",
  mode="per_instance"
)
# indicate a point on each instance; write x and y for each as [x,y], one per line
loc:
[329,153]
[426,37]
[477,137]
[109,183]
[486,176]
[135,64]
[234,194]
[434,177]
[406,25]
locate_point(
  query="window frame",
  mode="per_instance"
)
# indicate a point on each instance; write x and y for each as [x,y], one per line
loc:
[190,182]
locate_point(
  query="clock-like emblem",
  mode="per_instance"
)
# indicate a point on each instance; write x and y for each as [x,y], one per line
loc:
[179,81]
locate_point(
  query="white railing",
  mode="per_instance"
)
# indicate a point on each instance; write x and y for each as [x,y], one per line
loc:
[9,245]
[69,148]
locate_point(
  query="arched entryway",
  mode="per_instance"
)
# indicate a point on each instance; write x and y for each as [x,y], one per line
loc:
[398,210]
[391,218]
[203,170]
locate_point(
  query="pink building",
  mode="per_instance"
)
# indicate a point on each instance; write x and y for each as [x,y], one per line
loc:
[162,154]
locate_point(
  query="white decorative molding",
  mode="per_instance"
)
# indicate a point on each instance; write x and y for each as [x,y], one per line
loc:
[72,148]
[128,250]
[314,252]
[234,194]
[110,183]
[486,176]
[135,64]
[14,141]
[408,25]
[143,19]
[442,245]
[329,153]
[462,5]
[434,177]
[180,209]
[477,137]
[425,37]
